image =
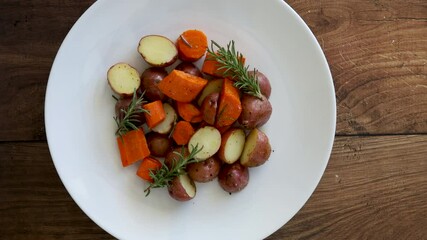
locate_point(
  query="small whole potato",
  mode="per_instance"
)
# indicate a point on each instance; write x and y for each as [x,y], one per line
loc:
[123,104]
[149,80]
[264,83]
[189,68]
[159,144]
[233,177]
[255,112]
[171,156]
[204,171]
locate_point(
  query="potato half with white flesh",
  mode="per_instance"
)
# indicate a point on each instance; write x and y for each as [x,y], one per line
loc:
[158,51]
[207,137]
[166,125]
[257,149]
[182,188]
[212,87]
[232,143]
[123,79]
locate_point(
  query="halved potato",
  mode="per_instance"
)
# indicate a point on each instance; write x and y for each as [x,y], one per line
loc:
[209,108]
[166,125]
[257,149]
[158,51]
[182,188]
[232,143]
[212,86]
[123,79]
[207,137]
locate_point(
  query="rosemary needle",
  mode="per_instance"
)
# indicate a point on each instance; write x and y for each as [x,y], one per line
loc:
[163,176]
[230,62]
[130,115]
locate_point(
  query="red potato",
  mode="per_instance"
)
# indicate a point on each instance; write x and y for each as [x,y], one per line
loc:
[255,112]
[212,86]
[204,171]
[257,149]
[149,80]
[159,144]
[158,51]
[233,177]
[171,157]
[207,137]
[264,83]
[167,124]
[209,108]
[122,105]
[123,79]
[182,188]
[189,68]
[232,143]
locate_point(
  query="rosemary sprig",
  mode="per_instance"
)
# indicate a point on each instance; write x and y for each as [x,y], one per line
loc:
[130,115]
[163,176]
[231,64]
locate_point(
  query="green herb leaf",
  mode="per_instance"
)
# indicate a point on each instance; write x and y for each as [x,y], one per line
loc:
[232,66]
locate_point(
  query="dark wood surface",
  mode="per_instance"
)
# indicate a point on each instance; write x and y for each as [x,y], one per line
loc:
[375,185]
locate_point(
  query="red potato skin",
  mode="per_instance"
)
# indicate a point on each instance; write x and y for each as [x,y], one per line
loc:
[204,171]
[209,108]
[189,68]
[255,112]
[224,139]
[261,153]
[159,144]
[149,80]
[123,104]
[264,83]
[233,177]
[171,156]
[177,191]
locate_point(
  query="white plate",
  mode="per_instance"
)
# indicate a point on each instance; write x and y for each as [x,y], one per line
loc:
[80,127]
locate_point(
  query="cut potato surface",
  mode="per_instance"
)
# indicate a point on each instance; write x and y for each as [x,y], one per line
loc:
[257,149]
[182,188]
[166,125]
[212,87]
[207,137]
[232,144]
[157,50]
[123,79]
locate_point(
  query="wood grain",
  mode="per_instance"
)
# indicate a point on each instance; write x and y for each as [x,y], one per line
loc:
[30,35]
[377,51]
[373,187]
[33,202]
[377,54]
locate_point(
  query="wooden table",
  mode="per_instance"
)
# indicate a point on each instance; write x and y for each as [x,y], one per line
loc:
[375,186]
